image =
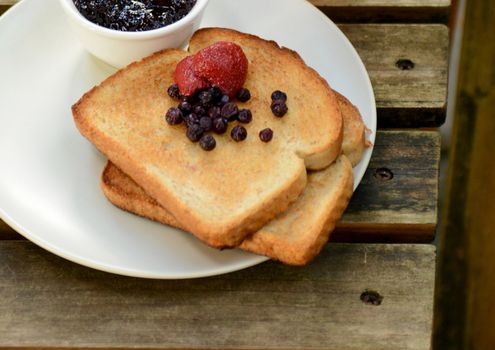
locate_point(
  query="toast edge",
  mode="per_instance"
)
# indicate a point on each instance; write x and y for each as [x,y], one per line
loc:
[218,235]
[302,252]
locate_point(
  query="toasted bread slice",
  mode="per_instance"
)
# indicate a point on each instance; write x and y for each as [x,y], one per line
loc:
[295,237]
[354,142]
[223,195]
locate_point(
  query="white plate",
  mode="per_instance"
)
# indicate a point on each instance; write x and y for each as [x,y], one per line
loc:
[49,182]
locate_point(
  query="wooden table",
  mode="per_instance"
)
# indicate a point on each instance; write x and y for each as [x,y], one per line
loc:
[362,292]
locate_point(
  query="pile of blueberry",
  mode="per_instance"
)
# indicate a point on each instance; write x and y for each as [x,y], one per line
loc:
[209,110]
[134,15]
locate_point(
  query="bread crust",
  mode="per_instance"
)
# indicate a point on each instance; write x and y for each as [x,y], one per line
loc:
[354,132]
[297,236]
[106,116]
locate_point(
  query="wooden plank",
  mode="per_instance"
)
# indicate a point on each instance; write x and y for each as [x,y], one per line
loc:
[7,233]
[465,307]
[400,209]
[50,303]
[398,196]
[3,8]
[408,66]
[391,11]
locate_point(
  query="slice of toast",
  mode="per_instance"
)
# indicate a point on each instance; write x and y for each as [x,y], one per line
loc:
[223,195]
[296,236]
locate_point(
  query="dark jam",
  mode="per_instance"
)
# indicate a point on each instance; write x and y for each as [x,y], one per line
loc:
[134,15]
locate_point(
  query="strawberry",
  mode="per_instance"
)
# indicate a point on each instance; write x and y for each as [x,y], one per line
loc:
[186,79]
[223,64]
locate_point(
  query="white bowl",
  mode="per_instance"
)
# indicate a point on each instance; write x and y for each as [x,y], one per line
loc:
[121,48]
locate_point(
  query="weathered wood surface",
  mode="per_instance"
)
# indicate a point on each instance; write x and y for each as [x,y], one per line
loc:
[400,209]
[49,302]
[397,11]
[465,303]
[397,198]
[408,67]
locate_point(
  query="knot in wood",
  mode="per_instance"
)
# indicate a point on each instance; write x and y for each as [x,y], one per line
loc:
[384,174]
[371,297]
[404,64]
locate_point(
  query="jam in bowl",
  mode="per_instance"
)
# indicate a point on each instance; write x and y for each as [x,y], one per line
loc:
[120,32]
[133,15]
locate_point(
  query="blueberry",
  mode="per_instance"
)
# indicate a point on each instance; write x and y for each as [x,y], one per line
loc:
[214,112]
[266,135]
[279,108]
[223,100]
[238,133]
[173,116]
[205,98]
[199,110]
[243,95]
[207,142]
[194,132]
[229,110]
[185,107]
[220,125]
[206,123]
[279,95]
[245,116]
[173,91]
[192,119]
[216,93]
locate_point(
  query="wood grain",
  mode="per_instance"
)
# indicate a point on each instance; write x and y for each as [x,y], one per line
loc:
[389,11]
[405,98]
[465,306]
[382,3]
[49,302]
[403,209]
